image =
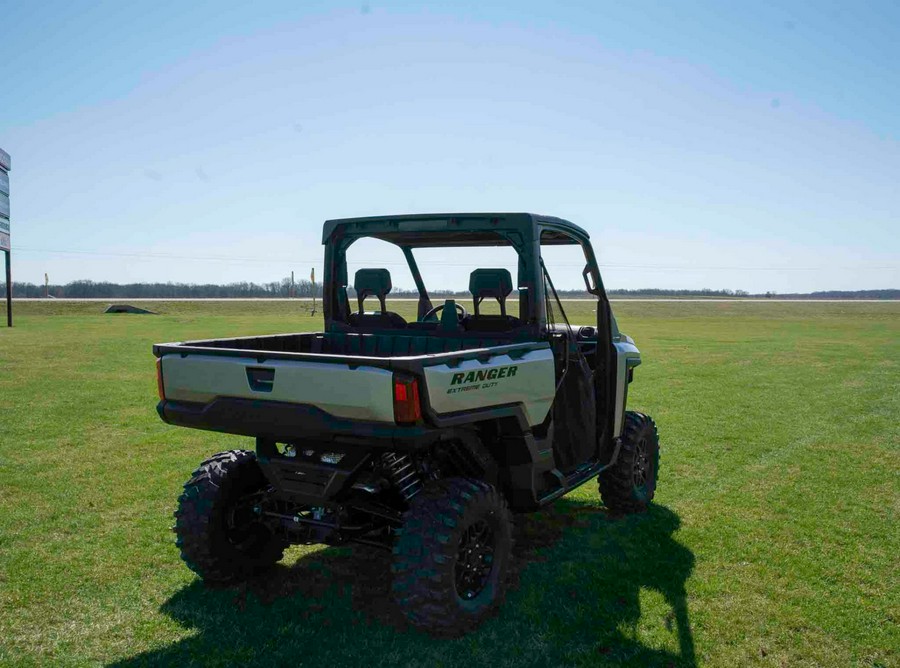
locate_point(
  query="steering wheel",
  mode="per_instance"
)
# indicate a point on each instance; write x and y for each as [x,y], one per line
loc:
[461,312]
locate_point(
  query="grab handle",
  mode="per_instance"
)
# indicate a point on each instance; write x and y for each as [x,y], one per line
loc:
[261,379]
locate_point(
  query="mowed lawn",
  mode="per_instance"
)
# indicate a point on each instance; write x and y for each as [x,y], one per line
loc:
[774,540]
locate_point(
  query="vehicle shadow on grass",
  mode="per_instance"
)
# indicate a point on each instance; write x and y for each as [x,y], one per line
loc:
[574,600]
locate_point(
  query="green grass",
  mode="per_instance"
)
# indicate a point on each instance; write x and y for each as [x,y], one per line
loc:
[774,540]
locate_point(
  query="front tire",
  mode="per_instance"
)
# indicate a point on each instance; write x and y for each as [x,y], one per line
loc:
[220,536]
[628,485]
[452,556]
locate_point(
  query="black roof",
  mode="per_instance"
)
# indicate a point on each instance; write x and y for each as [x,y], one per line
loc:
[456,229]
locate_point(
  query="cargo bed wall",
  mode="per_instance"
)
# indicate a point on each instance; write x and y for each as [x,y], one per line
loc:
[353,343]
[526,379]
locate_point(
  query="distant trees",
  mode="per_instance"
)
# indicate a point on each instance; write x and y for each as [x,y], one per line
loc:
[662,292]
[842,294]
[105,290]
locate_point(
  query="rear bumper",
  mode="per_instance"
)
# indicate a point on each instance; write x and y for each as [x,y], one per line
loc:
[288,423]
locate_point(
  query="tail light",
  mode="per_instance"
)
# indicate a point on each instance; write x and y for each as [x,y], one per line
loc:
[160,389]
[407,407]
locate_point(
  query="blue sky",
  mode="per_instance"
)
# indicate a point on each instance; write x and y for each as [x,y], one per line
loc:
[724,145]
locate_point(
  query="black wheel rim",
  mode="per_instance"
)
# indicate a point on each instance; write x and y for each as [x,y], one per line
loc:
[641,469]
[244,529]
[475,560]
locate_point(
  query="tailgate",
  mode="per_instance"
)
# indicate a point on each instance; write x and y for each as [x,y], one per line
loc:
[354,392]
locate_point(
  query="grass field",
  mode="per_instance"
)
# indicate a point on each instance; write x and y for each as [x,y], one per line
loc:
[774,540]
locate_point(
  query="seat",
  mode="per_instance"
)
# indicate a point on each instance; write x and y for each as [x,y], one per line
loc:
[374,283]
[494,284]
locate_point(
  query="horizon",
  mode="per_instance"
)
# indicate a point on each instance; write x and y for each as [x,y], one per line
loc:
[754,148]
[303,285]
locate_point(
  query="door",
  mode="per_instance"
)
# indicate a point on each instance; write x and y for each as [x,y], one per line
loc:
[575,348]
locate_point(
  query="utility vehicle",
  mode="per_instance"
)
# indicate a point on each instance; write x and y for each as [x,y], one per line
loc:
[423,437]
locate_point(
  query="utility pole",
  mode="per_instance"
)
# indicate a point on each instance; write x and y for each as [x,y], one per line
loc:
[291,293]
[8,288]
[5,166]
[46,285]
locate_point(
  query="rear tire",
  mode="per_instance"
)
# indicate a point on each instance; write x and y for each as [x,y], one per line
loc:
[451,559]
[629,485]
[220,536]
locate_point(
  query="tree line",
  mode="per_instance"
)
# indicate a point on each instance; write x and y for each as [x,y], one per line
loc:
[305,289]
[106,290]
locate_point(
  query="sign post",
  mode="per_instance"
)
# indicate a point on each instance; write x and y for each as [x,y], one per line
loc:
[5,165]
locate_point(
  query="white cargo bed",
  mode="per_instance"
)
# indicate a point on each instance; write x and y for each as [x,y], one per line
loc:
[358,386]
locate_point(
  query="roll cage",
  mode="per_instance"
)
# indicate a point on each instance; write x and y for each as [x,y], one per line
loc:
[524,232]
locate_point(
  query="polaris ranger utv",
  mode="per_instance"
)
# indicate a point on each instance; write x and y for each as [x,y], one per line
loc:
[420,437]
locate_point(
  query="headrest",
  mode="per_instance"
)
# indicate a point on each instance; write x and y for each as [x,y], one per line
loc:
[372,282]
[495,283]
